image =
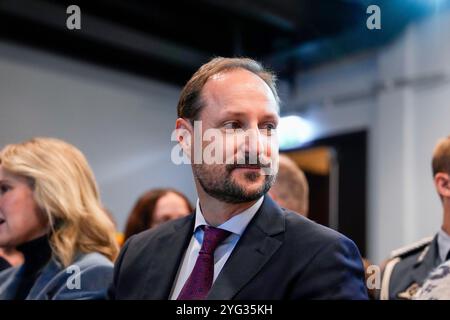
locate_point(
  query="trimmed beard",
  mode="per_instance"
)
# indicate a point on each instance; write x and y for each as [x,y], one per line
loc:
[222,187]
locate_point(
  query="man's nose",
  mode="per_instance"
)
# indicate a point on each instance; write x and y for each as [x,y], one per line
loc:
[253,144]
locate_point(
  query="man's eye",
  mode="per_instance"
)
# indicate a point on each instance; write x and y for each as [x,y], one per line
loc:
[232,125]
[4,188]
[269,128]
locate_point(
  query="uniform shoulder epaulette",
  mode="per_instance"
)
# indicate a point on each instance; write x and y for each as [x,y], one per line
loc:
[411,248]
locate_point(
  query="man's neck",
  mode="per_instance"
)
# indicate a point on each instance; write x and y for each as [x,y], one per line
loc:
[446,219]
[217,212]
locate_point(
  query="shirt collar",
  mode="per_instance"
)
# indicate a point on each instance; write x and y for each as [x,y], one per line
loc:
[443,244]
[236,224]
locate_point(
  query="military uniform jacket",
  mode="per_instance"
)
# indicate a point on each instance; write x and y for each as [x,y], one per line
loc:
[408,268]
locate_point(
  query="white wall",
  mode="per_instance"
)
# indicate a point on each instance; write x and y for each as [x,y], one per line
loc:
[401,94]
[320,91]
[122,123]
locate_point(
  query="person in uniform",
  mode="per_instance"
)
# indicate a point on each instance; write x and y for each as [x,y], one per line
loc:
[437,285]
[408,267]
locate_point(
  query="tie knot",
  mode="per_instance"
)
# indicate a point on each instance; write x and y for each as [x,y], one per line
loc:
[211,238]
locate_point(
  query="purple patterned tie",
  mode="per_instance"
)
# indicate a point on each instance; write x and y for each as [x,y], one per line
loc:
[200,281]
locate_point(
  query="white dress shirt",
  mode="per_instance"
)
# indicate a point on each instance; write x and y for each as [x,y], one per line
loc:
[443,244]
[236,226]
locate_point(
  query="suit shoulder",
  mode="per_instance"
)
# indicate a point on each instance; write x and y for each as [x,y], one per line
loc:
[166,227]
[92,259]
[400,268]
[412,249]
[403,260]
[306,231]
[92,263]
[143,238]
[301,223]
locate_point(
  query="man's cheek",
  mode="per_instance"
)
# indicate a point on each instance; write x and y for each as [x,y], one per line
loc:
[230,152]
[272,147]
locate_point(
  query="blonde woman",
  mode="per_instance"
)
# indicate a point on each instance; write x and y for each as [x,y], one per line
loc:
[51,212]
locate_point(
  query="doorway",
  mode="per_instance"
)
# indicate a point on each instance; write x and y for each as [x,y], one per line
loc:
[336,170]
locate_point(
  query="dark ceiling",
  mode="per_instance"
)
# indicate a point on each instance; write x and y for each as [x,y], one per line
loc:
[168,40]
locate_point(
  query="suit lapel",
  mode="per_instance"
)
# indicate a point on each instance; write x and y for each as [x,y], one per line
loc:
[426,263]
[38,291]
[170,248]
[251,253]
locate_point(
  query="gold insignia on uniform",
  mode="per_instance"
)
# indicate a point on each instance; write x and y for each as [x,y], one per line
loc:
[409,292]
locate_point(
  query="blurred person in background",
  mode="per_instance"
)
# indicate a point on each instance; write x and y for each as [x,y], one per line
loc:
[51,212]
[155,207]
[291,190]
[408,267]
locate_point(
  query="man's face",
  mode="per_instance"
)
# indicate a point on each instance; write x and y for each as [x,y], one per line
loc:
[241,107]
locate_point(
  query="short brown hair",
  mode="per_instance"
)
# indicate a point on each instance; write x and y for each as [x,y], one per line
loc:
[441,156]
[141,217]
[190,104]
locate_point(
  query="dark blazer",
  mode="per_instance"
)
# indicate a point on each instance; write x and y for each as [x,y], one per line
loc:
[95,275]
[281,255]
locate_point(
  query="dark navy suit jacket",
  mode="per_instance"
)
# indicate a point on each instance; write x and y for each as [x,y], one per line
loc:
[281,255]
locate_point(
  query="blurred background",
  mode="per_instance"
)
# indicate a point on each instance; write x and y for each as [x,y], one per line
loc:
[362,108]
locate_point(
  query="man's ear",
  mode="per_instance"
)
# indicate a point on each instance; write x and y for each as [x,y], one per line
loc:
[442,183]
[185,134]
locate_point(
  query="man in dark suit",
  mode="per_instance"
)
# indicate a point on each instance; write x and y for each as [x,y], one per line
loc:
[408,267]
[238,244]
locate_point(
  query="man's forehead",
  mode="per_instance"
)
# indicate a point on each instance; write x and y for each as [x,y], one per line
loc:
[235,76]
[239,84]
[236,112]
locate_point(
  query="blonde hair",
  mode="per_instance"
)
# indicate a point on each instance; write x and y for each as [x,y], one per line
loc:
[66,192]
